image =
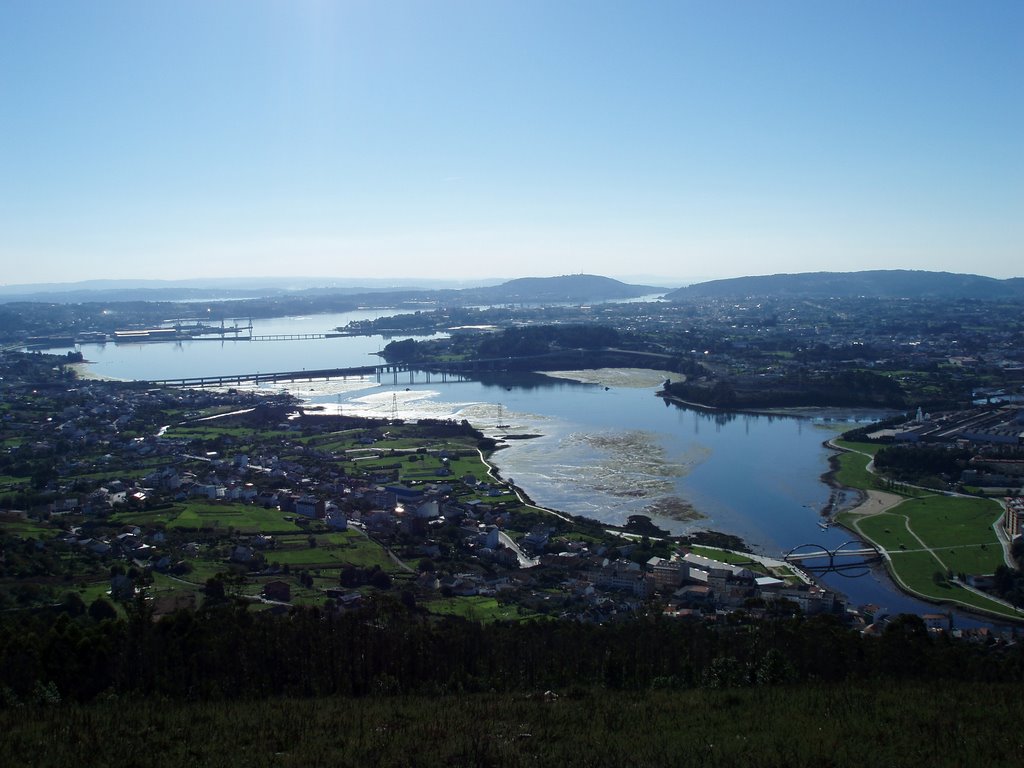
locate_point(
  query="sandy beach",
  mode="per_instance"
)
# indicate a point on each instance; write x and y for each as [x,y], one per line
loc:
[617,377]
[875,502]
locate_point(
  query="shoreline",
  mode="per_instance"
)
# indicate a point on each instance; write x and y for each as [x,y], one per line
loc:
[642,525]
[794,412]
[874,502]
[85,373]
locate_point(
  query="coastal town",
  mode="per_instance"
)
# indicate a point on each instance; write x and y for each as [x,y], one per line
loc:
[118,492]
[252,496]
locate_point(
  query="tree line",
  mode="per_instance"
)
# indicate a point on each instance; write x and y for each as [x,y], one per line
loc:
[229,651]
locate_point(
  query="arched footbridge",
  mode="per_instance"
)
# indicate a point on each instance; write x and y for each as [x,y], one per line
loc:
[847,558]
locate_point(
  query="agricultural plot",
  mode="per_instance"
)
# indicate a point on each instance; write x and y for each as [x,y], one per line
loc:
[332,551]
[144,517]
[478,608]
[212,433]
[26,528]
[96,589]
[203,569]
[243,518]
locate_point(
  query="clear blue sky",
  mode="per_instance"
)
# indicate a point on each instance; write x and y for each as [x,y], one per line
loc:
[501,139]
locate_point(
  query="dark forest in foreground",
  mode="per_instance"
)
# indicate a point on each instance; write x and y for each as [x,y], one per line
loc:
[388,685]
[228,652]
[850,724]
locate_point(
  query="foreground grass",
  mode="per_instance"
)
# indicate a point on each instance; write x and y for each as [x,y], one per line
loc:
[895,724]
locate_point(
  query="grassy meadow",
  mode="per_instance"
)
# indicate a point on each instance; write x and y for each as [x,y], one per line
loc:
[927,535]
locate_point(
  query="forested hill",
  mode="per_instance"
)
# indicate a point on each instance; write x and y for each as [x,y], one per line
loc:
[893,283]
[565,288]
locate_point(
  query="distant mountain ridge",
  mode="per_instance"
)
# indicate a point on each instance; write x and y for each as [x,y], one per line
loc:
[880,283]
[532,290]
[563,288]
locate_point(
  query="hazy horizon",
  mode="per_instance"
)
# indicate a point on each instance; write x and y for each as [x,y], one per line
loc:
[488,141]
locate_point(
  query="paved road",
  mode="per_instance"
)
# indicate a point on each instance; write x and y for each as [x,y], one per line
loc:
[525,561]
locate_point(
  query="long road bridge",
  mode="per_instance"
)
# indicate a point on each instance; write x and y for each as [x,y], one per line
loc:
[378,372]
[433,372]
[294,336]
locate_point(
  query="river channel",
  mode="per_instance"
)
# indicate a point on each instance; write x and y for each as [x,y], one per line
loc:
[605,449]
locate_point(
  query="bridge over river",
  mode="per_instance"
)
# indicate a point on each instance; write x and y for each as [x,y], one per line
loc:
[423,372]
[849,556]
[443,374]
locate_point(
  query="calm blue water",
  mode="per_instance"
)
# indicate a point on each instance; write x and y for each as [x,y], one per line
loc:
[602,452]
[214,357]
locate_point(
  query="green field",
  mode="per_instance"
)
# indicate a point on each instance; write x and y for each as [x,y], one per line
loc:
[853,471]
[869,448]
[949,521]
[144,517]
[26,528]
[203,569]
[209,432]
[917,570]
[333,550]
[94,590]
[478,608]
[957,531]
[244,518]
[975,559]
[888,530]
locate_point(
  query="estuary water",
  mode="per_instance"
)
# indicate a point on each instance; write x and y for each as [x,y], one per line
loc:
[606,449]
